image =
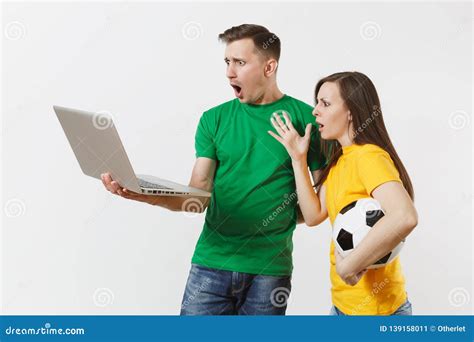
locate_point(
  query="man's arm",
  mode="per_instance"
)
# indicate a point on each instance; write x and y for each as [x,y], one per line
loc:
[202,178]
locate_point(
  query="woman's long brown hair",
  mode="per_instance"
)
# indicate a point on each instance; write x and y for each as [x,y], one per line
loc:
[360,97]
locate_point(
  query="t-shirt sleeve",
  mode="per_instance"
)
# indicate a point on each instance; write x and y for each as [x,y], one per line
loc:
[204,142]
[375,167]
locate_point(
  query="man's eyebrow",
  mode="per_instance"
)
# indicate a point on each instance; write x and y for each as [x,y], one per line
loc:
[233,59]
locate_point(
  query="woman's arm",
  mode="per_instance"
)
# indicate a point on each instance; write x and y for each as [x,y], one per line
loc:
[399,220]
[312,205]
[312,208]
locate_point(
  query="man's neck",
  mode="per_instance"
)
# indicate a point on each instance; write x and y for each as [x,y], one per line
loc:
[271,95]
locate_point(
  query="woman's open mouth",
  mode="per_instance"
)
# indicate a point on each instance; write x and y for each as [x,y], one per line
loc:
[321,126]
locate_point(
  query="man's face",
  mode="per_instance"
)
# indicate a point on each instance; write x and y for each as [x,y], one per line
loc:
[245,70]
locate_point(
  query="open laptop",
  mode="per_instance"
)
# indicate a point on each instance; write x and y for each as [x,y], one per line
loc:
[98,149]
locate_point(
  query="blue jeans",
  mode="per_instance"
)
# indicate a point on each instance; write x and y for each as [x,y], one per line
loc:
[216,292]
[404,310]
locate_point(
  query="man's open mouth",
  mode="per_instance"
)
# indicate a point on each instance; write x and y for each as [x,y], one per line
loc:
[237,90]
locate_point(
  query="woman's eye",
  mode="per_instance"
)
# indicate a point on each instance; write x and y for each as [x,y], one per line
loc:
[241,63]
[325,104]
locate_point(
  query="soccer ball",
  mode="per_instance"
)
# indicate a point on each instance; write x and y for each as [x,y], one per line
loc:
[353,223]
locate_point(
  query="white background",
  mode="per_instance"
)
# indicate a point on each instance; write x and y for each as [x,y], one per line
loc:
[68,247]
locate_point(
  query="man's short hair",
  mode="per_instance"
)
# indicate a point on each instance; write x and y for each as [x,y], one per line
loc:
[266,43]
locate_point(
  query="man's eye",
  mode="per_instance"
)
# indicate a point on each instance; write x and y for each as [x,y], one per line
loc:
[241,63]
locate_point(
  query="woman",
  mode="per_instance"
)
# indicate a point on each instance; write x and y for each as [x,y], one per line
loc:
[362,162]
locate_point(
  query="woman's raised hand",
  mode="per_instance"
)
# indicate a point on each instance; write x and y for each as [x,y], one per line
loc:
[296,145]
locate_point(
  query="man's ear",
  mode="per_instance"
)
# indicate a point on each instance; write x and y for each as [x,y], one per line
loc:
[270,67]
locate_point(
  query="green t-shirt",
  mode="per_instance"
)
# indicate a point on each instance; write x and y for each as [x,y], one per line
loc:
[252,212]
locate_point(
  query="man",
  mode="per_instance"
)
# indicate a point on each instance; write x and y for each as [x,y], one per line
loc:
[242,263]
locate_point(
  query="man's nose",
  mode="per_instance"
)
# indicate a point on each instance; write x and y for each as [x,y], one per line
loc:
[230,72]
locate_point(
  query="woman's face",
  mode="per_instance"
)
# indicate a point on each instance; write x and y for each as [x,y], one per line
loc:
[332,114]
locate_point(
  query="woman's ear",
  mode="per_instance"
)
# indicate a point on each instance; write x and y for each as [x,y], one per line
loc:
[349,115]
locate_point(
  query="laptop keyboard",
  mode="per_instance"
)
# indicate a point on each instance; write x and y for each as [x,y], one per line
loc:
[145,184]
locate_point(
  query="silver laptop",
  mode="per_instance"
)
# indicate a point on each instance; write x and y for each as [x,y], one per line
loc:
[98,149]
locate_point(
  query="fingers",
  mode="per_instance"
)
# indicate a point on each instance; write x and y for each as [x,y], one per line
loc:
[115,188]
[124,193]
[307,132]
[110,184]
[276,136]
[277,126]
[283,128]
[288,121]
[280,122]
[355,279]
[128,194]
[103,181]
[107,180]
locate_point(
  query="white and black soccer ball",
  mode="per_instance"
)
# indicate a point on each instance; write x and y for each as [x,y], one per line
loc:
[353,223]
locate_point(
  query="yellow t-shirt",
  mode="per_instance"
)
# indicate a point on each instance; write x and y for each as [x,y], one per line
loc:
[359,170]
